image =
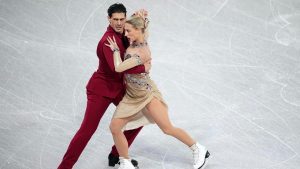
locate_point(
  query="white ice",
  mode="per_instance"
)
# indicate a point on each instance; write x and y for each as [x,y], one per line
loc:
[228,69]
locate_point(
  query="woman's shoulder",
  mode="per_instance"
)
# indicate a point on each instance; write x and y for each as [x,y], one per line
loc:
[131,51]
[137,52]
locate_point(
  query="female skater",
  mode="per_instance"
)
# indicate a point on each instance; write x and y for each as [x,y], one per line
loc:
[143,103]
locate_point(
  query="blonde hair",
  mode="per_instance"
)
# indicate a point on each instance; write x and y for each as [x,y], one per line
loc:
[139,23]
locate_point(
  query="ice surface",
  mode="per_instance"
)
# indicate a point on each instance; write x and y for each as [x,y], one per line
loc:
[229,70]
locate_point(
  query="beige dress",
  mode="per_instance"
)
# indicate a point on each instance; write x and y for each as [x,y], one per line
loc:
[140,90]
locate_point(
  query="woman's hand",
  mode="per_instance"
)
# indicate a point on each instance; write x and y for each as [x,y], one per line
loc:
[142,13]
[112,44]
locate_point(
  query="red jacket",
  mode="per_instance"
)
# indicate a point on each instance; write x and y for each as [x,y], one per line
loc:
[106,81]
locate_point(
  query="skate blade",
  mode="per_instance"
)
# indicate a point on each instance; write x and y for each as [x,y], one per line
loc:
[207,155]
[135,166]
[204,164]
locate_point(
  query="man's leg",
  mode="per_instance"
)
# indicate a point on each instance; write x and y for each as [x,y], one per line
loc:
[96,106]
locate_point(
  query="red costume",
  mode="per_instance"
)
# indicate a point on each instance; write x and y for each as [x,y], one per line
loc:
[104,87]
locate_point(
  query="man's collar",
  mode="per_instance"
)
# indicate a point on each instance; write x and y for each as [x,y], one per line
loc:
[110,29]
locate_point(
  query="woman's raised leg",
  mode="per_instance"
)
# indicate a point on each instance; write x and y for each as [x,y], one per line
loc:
[159,113]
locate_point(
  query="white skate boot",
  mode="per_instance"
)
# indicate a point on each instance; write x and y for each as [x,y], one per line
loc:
[125,163]
[200,155]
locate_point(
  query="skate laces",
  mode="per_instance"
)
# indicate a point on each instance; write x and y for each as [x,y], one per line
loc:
[196,152]
[122,162]
[196,156]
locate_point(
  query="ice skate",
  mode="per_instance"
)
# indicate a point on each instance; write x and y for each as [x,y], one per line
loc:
[113,160]
[125,164]
[200,156]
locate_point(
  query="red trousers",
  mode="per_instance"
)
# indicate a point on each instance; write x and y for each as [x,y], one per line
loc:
[96,107]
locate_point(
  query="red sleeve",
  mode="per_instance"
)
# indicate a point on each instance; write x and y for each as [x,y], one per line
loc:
[108,54]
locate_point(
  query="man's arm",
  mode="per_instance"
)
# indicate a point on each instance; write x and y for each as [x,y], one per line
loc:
[108,54]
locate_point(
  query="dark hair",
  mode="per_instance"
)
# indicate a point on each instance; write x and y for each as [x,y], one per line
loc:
[116,8]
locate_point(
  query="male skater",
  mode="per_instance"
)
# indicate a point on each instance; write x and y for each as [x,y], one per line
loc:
[104,87]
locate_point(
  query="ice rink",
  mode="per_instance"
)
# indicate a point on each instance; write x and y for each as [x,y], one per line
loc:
[228,69]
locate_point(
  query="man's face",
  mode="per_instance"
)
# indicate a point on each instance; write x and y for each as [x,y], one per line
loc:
[117,21]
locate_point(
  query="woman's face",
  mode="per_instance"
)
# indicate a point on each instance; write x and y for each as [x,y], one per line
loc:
[132,33]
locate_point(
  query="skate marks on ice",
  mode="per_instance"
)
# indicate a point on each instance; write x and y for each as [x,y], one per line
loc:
[229,71]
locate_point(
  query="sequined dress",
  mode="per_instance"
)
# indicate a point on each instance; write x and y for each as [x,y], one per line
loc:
[140,90]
